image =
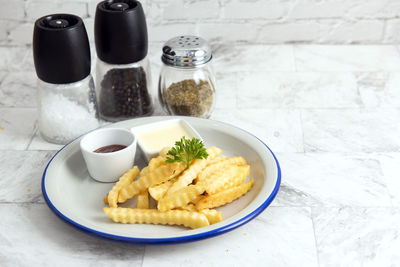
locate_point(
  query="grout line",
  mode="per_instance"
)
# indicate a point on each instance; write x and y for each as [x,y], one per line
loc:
[318,108]
[397,49]
[31,108]
[87,6]
[276,152]
[294,58]
[336,206]
[280,206]
[315,236]
[377,156]
[31,150]
[35,129]
[144,252]
[302,130]
[21,203]
[271,71]
[384,31]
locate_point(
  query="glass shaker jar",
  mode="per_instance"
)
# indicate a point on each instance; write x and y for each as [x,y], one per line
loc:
[187,83]
[122,71]
[61,52]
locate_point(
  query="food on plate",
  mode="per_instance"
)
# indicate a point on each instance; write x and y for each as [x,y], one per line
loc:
[188,207]
[155,163]
[124,181]
[156,138]
[142,201]
[109,149]
[151,216]
[158,191]
[188,175]
[143,172]
[152,137]
[213,216]
[226,178]
[223,197]
[194,163]
[164,151]
[187,182]
[221,164]
[217,159]
[156,176]
[186,150]
[181,197]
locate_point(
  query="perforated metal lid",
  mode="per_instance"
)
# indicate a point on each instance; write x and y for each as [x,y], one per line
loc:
[186,52]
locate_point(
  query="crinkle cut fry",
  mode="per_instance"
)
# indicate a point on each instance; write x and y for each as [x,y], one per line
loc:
[224,197]
[159,175]
[230,177]
[237,180]
[196,166]
[158,191]
[223,164]
[181,197]
[179,170]
[142,201]
[125,180]
[151,216]
[213,216]
[217,159]
[188,207]
[155,163]
[164,151]
[144,171]
[161,160]
[192,205]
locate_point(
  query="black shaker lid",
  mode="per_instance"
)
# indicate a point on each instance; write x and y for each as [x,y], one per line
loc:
[120,31]
[61,49]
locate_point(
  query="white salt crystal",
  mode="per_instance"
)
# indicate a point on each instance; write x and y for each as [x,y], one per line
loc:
[62,119]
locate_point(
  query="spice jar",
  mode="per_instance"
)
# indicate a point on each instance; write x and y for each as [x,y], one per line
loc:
[187,82]
[122,70]
[66,94]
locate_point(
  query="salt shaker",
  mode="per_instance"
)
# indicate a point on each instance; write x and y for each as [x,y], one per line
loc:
[122,69]
[187,83]
[61,53]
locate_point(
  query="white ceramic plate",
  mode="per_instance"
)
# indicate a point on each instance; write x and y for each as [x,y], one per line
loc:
[78,199]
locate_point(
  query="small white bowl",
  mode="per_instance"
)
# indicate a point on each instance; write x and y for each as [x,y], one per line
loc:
[108,167]
[164,140]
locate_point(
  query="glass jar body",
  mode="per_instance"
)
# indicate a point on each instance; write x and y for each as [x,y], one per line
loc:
[66,111]
[123,91]
[187,91]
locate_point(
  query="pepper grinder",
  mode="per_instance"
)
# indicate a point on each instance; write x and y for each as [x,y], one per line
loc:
[61,53]
[123,69]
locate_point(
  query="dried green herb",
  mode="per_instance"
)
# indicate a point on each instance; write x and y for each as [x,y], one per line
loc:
[190,98]
[187,150]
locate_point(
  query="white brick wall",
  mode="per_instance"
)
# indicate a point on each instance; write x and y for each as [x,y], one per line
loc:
[36,9]
[250,21]
[266,10]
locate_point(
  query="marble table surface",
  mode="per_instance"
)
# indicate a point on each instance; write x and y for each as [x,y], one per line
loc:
[331,114]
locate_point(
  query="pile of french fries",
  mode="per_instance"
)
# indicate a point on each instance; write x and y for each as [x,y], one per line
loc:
[184,196]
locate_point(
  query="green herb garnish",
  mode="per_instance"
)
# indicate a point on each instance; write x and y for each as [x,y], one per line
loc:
[187,150]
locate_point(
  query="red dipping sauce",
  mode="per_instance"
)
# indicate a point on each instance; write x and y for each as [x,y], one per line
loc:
[109,149]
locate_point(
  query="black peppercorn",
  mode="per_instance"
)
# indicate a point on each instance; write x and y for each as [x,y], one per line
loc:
[124,94]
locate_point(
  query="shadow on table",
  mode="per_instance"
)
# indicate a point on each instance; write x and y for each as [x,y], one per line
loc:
[67,238]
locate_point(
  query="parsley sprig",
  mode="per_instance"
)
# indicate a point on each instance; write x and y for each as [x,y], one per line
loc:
[187,150]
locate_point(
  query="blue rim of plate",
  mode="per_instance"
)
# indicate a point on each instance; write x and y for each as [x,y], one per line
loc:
[169,240]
